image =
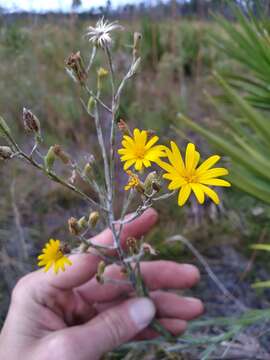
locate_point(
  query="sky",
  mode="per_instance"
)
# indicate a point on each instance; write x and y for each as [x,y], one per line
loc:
[44,5]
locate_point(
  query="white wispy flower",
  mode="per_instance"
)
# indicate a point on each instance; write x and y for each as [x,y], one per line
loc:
[100,34]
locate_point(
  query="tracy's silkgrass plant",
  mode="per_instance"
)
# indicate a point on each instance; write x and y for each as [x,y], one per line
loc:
[140,151]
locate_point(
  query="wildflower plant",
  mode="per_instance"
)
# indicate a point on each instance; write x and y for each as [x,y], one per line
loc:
[138,152]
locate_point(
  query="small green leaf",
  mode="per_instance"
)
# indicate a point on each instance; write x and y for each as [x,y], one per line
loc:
[4,129]
[261,284]
[265,247]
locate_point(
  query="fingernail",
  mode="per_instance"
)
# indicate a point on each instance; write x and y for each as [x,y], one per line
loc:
[142,312]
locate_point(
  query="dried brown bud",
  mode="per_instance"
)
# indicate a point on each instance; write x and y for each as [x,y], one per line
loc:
[93,219]
[5,152]
[100,272]
[149,249]
[132,245]
[123,127]
[30,121]
[61,154]
[65,249]
[75,63]
[73,226]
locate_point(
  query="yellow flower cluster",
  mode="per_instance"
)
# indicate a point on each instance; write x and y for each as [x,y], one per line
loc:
[185,175]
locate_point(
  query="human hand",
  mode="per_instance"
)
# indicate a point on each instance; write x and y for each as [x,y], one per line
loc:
[71,316]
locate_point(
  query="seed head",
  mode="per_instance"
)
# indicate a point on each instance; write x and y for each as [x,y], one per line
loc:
[73,226]
[5,152]
[61,154]
[30,121]
[100,35]
[75,64]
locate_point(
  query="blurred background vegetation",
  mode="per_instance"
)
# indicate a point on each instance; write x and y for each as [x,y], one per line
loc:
[209,63]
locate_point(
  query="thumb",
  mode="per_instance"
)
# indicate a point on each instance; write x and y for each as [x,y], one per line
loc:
[113,327]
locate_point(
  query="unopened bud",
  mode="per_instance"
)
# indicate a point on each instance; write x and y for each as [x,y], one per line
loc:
[102,72]
[30,121]
[88,170]
[151,183]
[49,159]
[82,222]
[91,105]
[5,152]
[73,226]
[136,44]
[124,128]
[93,219]
[100,272]
[75,63]
[61,154]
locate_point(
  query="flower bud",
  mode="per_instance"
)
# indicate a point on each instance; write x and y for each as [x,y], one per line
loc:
[91,105]
[100,272]
[102,72]
[88,170]
[82,222]
[5,152]
[30,122]
[124,128]
[132,245]
[75,63]
[49,159]
[152,183]
[61,154]
[73,226]
[136,44]
[93,219]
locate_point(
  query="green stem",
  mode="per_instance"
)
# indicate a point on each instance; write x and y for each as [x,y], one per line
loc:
[142,290]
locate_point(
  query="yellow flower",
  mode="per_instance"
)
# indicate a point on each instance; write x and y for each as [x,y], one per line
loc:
[133,181]
[186,176]
[139,151]
[102,72]
[52,256]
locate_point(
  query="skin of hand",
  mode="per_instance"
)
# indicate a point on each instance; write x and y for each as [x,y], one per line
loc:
[71,316]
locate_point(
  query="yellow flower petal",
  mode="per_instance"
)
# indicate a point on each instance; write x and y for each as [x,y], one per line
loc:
[176,184]
[190,157]
[178,160]
[211,193]
[199,193]
[207,164]
[213,173]
[184,194]
[216,182]
[151,142]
